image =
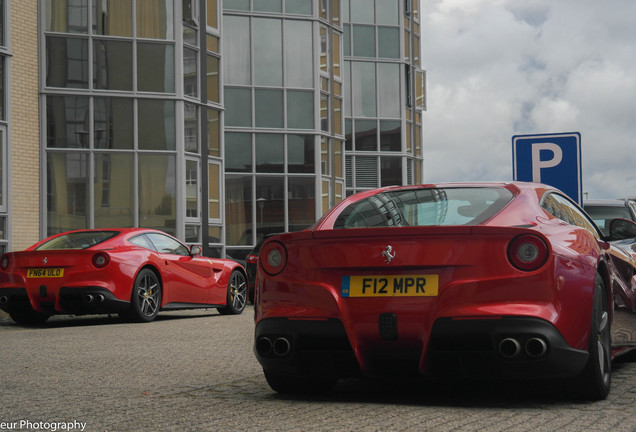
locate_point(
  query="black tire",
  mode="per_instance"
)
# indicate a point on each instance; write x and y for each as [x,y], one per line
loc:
[145,300]
[24,314]
[595,380]
[298,385]
[236,294]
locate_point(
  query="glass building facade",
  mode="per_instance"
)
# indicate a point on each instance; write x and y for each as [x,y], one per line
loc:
[220,121]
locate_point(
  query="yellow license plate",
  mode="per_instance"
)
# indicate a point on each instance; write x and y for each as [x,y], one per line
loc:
[389,286]
[45,273]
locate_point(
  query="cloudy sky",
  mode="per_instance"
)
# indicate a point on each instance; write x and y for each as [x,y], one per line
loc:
[498,68]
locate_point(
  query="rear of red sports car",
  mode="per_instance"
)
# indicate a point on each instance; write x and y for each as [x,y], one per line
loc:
[436,281]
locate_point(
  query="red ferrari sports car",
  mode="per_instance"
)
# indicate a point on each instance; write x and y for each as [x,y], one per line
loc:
[489,280]
[134,272]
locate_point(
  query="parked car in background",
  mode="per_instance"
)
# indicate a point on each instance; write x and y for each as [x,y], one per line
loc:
[473,280]
[603,211]
[134,272]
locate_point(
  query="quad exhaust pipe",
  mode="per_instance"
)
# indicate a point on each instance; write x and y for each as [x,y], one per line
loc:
[280,347]
[509,348]
[90,298]
[534,347]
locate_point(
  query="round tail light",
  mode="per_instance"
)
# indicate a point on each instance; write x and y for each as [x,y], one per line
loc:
[101,259]
[527,252]
[273,258]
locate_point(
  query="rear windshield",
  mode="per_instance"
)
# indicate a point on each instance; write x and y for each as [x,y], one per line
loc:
[425,207]
[77,240]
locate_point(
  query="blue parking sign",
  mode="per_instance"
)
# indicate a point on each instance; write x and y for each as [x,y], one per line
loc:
[553,159]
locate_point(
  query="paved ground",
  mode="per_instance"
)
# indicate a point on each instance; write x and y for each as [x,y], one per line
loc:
[195,371]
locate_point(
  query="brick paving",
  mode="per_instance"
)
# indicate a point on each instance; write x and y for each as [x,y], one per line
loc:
[195,371]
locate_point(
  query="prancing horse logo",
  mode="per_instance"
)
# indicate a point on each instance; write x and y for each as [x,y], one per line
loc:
[388,254]
[45,260]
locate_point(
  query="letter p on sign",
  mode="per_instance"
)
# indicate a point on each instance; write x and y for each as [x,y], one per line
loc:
[552,159]
[538,164]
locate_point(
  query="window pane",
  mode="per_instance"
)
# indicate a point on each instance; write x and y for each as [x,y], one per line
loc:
[155,19]
[67,122]
[335,53]
[67,192]
[335,12]
[324,45]
[213,14]
[387,12]
[214,148]
[420,90]
[389,42]
[66,62]
[238,152]
[302,114]
[212,76]
[236,4]
[2,179]
[300,153]
[268,52]
[267,5]
[301,7]
[212,43]
[113,123]
[214,191]
[336,115]
[270,151]
[270,205]
[389,89]
[298,51]
[114,190]
[363,41]
[366,171]
[337,158]
[155,67]
[112,17]
[66,16]
[390,136]
[362,11]
[156,124]
[324,112]
[3,101]
[363,89]
[192,188]
[238,210]
[191,128]
[301,203]
[190,36]
[238,107]
[190,72]
[391,171]
[366,135]
[269,108]
[112,65]
[236,49]
[157,184]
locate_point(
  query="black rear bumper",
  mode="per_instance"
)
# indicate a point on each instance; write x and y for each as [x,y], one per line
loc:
[465,348]
[72,300]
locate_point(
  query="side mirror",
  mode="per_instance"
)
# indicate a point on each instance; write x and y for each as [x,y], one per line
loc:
[195,250]
[621,229]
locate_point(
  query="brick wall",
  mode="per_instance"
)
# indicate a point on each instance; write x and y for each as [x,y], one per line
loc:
[24,181]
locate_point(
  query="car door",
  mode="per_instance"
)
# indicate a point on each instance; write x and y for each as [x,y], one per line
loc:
[186,278]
